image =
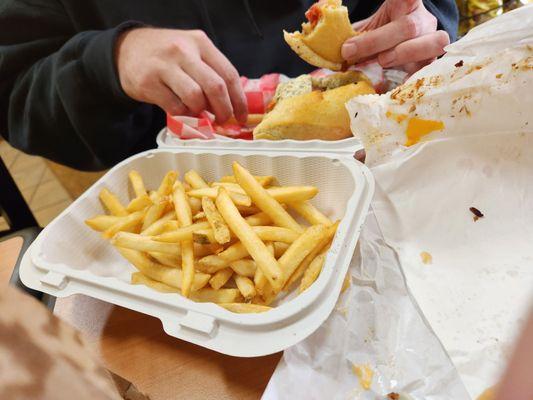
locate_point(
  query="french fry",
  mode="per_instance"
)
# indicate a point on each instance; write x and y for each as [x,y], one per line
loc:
[282,194]
[260,280]
[324,243]
[124,224]
[220,278]
[160,273]
[137,184]
[112,203]
[102,222]
[144,243]
[211,264]
[165,188]
[265,233]
[217,296]
[139,203]
[310,213]
[275,234]
[199,216]
[184,215]
[245,286]
[154,213]
[159,226]
[220,229]
[244,267]
[239,199]
[285,194]
[186,186]
[258,219]
[153,196]
[263,200]
[263,180]
[167,260]
[298,250]
[280,248]
[245,308]
[312,272]
[180,234]
[223,259]
[195,204]
[138,278]
[249,238]
[202,250]
[195,180]
[247,211]
[232,187]
[204,236]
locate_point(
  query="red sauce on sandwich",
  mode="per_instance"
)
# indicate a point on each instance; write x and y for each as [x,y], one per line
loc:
[313,14]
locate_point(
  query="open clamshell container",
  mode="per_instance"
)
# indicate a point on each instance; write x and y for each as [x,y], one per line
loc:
[69,258]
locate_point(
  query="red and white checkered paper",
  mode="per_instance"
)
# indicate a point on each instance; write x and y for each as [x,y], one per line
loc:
[259,94]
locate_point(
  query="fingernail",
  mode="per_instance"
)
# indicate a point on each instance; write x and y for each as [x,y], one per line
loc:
[387,59]
[348,50]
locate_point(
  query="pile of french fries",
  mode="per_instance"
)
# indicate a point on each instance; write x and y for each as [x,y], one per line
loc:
[233,242]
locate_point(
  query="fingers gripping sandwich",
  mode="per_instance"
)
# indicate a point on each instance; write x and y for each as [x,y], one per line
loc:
[320,41]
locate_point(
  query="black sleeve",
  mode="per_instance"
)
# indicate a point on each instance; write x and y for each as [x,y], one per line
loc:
[447,14]
[60,96]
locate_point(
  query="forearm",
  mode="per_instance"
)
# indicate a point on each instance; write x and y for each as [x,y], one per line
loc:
[60,94]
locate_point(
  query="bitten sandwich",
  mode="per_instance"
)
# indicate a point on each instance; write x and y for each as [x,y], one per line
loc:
[320,41]
[307,108]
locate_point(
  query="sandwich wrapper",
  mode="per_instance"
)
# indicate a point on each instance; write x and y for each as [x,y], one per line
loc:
[259,93]
[437,298]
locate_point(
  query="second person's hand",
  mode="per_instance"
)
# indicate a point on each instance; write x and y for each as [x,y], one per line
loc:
[402,33]
[180,71]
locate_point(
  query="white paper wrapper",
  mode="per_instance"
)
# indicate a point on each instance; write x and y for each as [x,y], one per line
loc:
[477,289]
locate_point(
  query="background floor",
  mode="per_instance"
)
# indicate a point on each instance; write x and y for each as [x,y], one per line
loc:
[47,187]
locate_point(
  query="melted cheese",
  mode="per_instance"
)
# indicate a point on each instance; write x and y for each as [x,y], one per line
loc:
[418,128]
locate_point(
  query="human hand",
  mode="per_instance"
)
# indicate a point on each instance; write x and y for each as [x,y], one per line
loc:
[181,71]
[402,33]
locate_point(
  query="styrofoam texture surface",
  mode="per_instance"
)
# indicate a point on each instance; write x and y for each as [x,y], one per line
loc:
[166,139]
[93,267]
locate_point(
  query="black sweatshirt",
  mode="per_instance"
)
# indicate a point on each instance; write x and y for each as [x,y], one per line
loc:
[60,96]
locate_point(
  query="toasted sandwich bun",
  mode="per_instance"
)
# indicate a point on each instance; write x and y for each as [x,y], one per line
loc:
[314,115]
[321,39]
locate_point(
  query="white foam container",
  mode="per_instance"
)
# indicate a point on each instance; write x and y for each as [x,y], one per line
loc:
[68,258]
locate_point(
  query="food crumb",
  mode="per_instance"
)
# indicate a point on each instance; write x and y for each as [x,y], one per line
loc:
[498,76]
[426,257]
[393,396]
[365,375]
[477,214]
[347,282]
[459,64]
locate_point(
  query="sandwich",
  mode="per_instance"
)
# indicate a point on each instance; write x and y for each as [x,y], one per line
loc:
[320,41]
[307,108]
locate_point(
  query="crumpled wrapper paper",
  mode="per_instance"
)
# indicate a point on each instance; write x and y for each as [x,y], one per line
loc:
[448,334]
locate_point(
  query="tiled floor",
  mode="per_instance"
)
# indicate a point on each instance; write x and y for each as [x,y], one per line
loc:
[39,186]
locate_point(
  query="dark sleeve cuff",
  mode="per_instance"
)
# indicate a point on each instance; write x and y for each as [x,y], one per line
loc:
[446,13]
[98,59]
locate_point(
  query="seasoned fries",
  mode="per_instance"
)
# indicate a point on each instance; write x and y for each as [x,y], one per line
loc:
[220,229]
[184,215]
[112,203]
[255,247]
[263,200]
[232,242]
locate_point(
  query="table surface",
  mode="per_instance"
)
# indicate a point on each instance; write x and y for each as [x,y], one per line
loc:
[134,346]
